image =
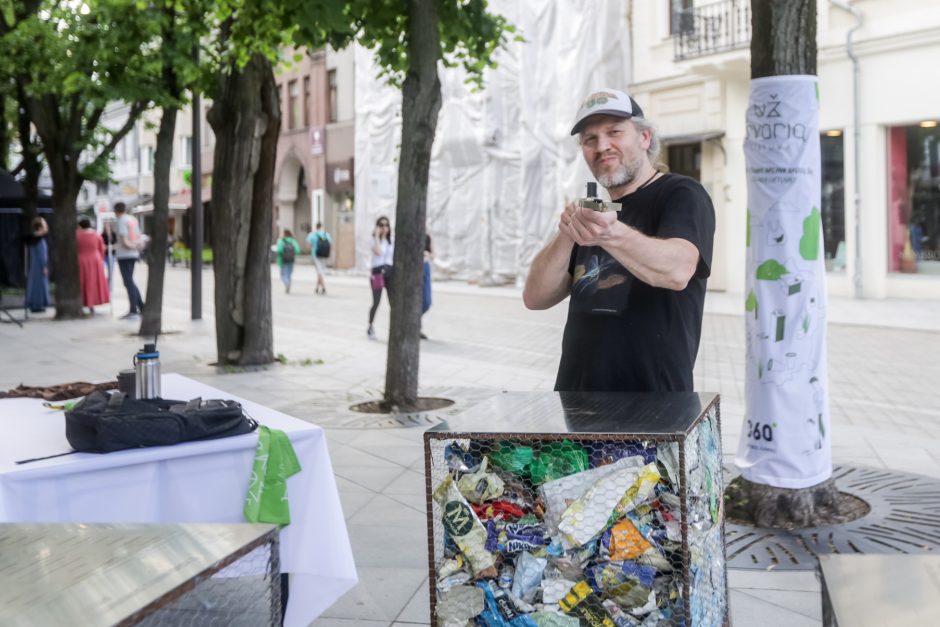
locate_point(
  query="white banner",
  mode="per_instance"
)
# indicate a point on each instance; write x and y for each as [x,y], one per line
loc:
[785,440]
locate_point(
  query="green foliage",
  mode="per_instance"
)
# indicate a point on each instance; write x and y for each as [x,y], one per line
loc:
[77,58]
[182,254]
[469,34]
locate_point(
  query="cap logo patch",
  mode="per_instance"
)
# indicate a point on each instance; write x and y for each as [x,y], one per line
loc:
[597,98]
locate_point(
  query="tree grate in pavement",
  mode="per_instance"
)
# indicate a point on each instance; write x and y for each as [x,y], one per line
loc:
[334,411]
[904,518]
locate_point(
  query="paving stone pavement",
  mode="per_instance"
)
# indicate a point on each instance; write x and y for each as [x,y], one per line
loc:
[884,369]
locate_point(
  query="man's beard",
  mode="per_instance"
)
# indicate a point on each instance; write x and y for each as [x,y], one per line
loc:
[624,174]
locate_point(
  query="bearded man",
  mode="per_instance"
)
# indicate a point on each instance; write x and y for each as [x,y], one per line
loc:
[637,276]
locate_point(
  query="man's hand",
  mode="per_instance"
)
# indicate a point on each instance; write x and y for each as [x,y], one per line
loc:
[587,227]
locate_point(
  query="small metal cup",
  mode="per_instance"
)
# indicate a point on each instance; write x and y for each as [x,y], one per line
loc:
[127,382]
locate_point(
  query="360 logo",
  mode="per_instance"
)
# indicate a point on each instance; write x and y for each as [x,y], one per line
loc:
[761,431]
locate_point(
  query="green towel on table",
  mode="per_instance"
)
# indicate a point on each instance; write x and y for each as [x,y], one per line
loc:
[275,461]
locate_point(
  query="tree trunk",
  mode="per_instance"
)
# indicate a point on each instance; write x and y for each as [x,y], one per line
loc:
[421,102]
[64,254]
[32,167]
[245,117]
[5,136]
[783,43]
[151,322]
[783,39]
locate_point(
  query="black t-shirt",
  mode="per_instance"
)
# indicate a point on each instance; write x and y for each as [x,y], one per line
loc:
[623,334]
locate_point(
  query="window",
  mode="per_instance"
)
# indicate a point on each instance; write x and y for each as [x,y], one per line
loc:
[146,159]
[331,85]
[293,104]
[306,101]
[680,17]
[685,159]
[914,198]
[186,151]
[832,212]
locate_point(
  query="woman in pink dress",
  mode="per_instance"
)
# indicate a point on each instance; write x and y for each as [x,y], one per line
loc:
[91,266]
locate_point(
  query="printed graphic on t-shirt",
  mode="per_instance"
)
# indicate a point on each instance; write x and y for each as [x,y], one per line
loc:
[599,284]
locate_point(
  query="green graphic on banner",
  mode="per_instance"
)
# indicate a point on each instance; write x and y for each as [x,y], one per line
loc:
[747,234]
[809,243]
[771,270]
[751,303]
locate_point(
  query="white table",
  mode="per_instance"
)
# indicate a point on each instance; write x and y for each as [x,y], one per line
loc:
[195,482]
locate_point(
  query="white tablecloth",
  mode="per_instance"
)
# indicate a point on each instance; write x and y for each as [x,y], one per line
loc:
[187,483]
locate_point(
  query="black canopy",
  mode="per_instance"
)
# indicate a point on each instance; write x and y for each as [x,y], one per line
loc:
[12,229]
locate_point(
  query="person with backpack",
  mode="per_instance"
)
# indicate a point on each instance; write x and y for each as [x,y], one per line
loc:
[287,251]
[320,245]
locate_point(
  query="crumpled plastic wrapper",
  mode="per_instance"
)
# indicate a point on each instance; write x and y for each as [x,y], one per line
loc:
[583,603]
[617,493]
[458,605]
[499,610]
[554,590]
[620,618]
[626,541]
[529,571]
[480,486]
[551,619]
[466,530]
[509,538]
[558,494]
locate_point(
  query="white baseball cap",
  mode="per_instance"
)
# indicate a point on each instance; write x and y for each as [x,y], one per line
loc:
[606,102]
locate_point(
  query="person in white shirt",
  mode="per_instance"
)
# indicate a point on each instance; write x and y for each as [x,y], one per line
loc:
[127,252]
[383,251]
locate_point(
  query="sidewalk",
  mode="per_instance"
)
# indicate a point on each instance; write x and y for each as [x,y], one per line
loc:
[885,403]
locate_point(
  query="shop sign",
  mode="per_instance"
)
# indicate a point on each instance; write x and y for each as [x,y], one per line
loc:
[317,140]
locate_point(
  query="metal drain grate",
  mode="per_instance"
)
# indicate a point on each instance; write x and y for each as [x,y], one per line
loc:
[904,518]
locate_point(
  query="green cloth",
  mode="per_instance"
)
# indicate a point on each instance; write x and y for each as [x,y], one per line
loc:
[275,461]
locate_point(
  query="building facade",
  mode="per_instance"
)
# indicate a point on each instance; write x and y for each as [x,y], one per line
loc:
[314,172]
[691,69]
[132,181]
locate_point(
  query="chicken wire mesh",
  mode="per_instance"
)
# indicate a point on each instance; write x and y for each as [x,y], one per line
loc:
[577,529]
[246,593]
[100,575]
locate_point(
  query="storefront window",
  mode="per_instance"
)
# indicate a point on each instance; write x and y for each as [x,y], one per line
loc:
[914,198]
[833,199]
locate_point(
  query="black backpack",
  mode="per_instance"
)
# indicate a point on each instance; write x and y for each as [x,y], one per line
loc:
[287,255]
[323,246]
[102,422]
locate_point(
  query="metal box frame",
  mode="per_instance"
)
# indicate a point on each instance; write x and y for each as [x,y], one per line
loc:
[683,425]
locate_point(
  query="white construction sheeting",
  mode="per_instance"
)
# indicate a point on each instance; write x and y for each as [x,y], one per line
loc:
[503,160]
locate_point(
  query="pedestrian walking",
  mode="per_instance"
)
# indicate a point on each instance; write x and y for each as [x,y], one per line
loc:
[90,248]
[636,276]
[287,251]
[127,250]
[383,252]
[426,291]
[110,241]
[37,279]
[320,244]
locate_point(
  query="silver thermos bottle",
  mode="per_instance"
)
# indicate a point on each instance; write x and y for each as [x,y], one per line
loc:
[147,367]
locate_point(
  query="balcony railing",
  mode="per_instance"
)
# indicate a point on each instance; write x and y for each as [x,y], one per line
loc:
[711,28]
